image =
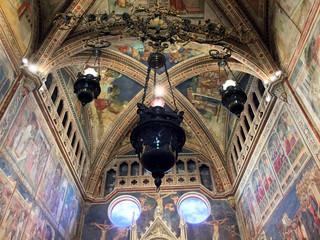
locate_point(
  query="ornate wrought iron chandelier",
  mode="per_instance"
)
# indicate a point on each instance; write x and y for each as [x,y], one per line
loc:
[156,25]
[158,137]
[87,86]
[233,97]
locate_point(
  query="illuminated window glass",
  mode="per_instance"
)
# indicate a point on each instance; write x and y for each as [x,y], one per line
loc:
[123,209]
[194,207]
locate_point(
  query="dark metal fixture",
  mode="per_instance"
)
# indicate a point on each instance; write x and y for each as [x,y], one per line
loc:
[158,137]
[233,97]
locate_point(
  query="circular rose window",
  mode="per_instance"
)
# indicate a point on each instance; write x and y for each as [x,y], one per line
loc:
[194,207]
[122,210]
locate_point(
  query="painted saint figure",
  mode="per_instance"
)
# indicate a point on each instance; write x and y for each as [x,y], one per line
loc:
[216,226]
[104,228]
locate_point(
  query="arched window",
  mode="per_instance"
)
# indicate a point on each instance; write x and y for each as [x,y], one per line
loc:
[194,207]
[261,87]
[123,169]
[205,177]
[135,169]
[48,81]
[69,130]
[65,119]
[246,123]
[110,180]
[251,112]
[54,94]
[122,209]
[73,139]
[255,100]
[191,166]
[60,107]
[180,167]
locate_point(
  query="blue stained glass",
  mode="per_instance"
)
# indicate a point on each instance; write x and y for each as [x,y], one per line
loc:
[194,210]
[121,214]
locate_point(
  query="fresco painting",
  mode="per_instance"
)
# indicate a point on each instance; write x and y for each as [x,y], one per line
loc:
[298,11]
[305,77]
[16,215]
[203,92]
[222,222]
[70,215]
[251,217]
[297,217]
[38,226]
[116,91]
[174,53]
[27,143]
[7,73]
[286,35]
[291,142]
[279,161]
[192,9]
[20,18]
[53,187]
[7,185]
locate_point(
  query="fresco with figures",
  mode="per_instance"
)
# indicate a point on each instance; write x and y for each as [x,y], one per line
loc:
[281,161]
[116,91]
[7,73]
[297,217]
[203,92]
[19,16]
[27,144]
[141,51]
[193,9]
[53,186]
[34,184]
[305,77]
[221,223]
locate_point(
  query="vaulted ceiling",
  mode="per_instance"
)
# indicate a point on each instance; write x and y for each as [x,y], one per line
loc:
[106,122]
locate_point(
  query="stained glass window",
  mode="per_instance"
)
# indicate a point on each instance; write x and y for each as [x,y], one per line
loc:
[123,209]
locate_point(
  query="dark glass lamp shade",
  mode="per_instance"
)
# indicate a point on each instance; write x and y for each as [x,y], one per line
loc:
[234,99]
[87,88]
[158,139]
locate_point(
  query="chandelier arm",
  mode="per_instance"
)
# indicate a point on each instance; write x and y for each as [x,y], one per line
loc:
[174,101]
[146,85]
[231,71]
[154,83]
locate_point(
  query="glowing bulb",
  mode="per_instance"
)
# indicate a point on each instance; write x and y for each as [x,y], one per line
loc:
[157,102]
[278,73]
[273,78]
[32,68]
[159,91]
[228,83]
[90,71]
[268,98]
[25,61]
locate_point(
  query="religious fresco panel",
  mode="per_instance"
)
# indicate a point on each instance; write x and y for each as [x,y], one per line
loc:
[27,144]
[53,186]
[16,215]
[38,226]
[7,73]
[162,207]
[305,77]
[297,217]
[116,91]
[286,35]
[283,157]
[70,215]
[19,16]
